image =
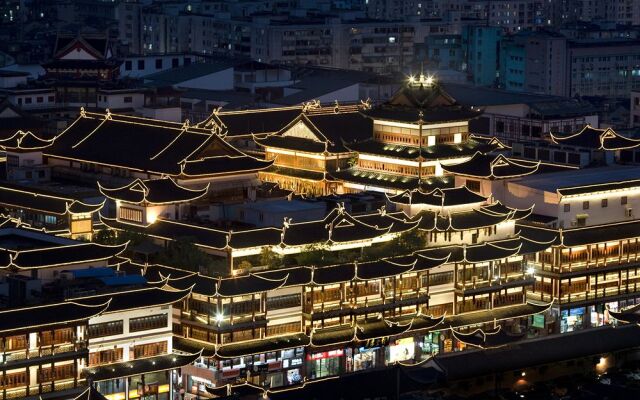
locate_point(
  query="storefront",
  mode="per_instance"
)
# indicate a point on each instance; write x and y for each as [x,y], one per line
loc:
[401,350]
[572,319]
[273,369]
[325,363]
[429,345]
[365,358]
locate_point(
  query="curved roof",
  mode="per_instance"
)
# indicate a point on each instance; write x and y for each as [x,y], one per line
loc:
[26,141]
[153,191]
[438,197]
[488,339]
[599,139]
[59,255]
[149,145]
[34,199]
[33,317]
[492,166]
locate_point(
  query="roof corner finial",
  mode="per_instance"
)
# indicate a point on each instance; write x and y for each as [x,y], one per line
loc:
[383,210]
[336,108]
[83,113]
[185,125]
[286,222]
[108,114]
[366,104]
[340,208]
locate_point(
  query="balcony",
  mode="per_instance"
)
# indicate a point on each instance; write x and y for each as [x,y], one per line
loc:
[477,288]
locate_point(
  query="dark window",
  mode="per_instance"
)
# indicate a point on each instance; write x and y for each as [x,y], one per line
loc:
[147,323]
[473,185]
[140,65]
[286,301]
[127,65]
[39,99]
[175,63]
[128,99]
[51,99]
[585,205]
[623,200]
[574,158]
[560,157]
[543,154]
[27,100]
[529,152]
[187,61]
[499,126]
[604,203]
[105,329]
[159,63]
[567,207]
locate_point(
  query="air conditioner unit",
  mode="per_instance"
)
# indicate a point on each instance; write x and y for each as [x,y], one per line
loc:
[628,212]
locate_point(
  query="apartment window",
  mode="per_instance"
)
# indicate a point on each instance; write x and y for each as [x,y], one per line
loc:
[281,329]
[175,63]
[105,329]
[473,185]
[158,63]
[604,203]
[623,200]
[39,99]
[140,65]
[585,205]
[105,357]
[128,65]
[286,301]
[150,349]
[128,99]
[27,100]
[567,207]
[130,214]
[147,323]
[441,278]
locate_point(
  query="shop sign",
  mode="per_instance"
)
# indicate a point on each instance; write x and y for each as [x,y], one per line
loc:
[379,342]
[325,354]
[275,366]
[448,345]
[538,321]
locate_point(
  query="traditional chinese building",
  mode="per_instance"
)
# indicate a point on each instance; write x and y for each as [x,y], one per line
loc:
[418,131]
[312,146]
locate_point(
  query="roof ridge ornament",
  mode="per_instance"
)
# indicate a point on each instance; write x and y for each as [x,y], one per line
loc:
[108,114]
[310,105]
[383,210]
[336,107]
[185,124]
[366,104]
[83,113]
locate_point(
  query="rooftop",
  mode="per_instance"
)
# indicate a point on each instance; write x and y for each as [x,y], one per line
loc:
[553,181]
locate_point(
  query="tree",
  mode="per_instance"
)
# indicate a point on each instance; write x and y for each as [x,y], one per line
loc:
[182,253]
[269,258]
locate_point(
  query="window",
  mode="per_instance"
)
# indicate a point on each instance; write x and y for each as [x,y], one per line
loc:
[280,329]
[473,185]
[567,207]
[158,63]
[585,205]
[130,214]
[140,65]
[150,349]
[128,65]
[623,200]
[604,203]
[286,301]
[147,323]
[39,99]
[27,100]
[105,329]
[175,63]
[51,99]
[128,99]
[50,219]
[105,357]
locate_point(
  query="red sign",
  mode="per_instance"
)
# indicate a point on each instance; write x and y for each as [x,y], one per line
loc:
[325,354]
